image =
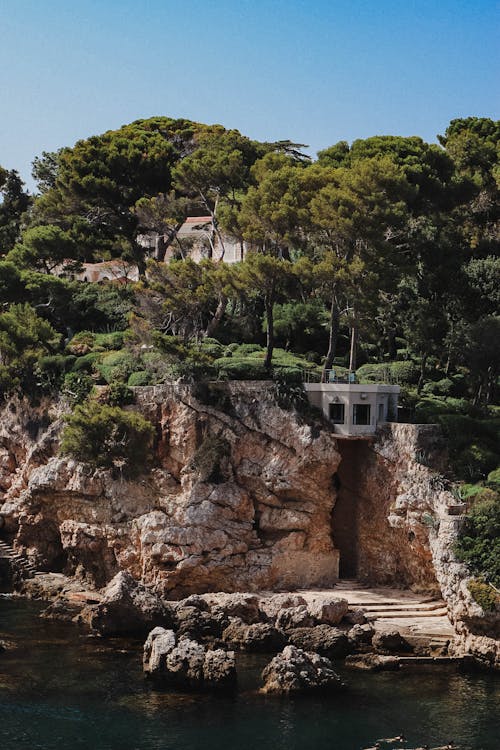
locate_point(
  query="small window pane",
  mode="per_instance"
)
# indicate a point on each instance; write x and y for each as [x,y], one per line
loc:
[361,414]
[337,413]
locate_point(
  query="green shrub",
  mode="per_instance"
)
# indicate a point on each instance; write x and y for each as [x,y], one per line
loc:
[373,373]
[442,387]
[475,462]
[81,343]
[241,369]
[212,347]
[77,386]
[109,341]
[243,350]
[50,370]
[404,372]
[479,541]
[209,458]
[484,595]
[108,437]
[493,479]
[119,394]
[140,377]
[86,363]
[117,366]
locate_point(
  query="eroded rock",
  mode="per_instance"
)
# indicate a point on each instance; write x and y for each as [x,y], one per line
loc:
[187,664]
[297,671]
[127,607]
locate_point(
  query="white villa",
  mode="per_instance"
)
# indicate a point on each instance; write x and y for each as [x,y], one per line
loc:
[355,409]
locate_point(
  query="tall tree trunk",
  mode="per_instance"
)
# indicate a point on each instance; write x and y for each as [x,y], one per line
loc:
[354,344]
[270,334]
[217,317]
[161,248]
[423,364]
[333,335]
[391,343]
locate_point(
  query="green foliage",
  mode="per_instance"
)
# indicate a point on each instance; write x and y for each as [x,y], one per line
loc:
[51,370]
[76,387]
[86,363]
[24,339]
[479,541]
[140,377]
[81,343]
[390,372]
[117,366]
[473,445]
[108,437]
[241,369]
[119,394]
[484,595]
[209,459]
[493,480]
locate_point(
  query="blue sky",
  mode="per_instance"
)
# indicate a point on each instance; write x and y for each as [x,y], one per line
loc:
[316,72]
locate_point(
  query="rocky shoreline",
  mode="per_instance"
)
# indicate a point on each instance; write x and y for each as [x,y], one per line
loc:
[262,515]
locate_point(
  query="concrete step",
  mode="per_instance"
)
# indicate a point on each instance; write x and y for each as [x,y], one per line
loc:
[405,615]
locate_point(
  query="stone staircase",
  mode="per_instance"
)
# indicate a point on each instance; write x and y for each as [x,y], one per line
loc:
[393,609]
[18,562]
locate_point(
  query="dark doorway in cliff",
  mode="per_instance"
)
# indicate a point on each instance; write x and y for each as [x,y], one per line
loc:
[345,515]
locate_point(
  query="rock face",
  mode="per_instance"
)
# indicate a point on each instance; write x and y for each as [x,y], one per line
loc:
[240,500]
[297,671]
[245,498]
[126,607]
[185,663]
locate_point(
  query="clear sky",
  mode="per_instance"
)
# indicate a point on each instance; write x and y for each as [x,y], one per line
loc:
[316,72]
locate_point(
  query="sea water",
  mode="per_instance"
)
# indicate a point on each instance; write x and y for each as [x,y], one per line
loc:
[60,688]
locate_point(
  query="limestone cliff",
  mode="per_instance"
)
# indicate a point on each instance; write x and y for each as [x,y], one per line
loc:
[244,496]
[240,499]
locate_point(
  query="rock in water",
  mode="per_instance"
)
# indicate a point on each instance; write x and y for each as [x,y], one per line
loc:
[297,671]
[391,641]
[322,639]
[127,607]
[186,664]
[328,611]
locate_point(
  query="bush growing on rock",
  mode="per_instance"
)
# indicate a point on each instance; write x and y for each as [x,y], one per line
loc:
[108,437]
[479,541]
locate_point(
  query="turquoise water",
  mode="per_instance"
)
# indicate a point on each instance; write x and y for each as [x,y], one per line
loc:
[61,689]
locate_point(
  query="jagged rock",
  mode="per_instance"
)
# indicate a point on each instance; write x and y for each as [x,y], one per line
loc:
[192,601]
[328,610]
[184,663]
[159,643]
[372,662]
[243,606]
[294,617]
[62,610]
[200,624]
[272,605]
[219,669]
[297,671]
[361,635]
[259,637]
[392,641]
[126,607]
[355,617]
[322,639]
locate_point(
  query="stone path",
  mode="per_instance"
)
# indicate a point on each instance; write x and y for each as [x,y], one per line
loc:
[394,609]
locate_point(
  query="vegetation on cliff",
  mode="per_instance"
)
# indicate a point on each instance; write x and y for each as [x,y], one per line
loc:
[380,257]
[108,437]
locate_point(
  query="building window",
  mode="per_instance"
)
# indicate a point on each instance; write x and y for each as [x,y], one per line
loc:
[337,413]
[361,414]
[381,412]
